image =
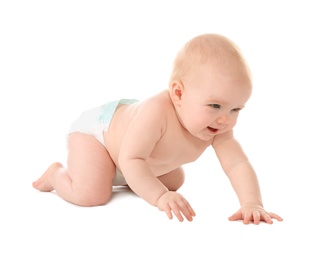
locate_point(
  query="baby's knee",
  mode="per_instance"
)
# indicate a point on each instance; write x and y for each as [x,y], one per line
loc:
[174,179]
[179,178]
[92,199]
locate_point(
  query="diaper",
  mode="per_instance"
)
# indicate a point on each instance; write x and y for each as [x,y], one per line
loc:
[97,120]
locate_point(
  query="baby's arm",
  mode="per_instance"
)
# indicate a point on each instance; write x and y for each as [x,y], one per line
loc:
[243,180]
[142,181]
[145,130]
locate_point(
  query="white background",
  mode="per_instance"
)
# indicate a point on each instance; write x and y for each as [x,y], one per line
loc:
[58,58]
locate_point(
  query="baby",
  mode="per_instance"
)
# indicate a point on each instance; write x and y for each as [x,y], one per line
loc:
[144,144]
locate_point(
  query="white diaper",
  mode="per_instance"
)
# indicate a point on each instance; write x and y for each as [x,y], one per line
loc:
[97,120]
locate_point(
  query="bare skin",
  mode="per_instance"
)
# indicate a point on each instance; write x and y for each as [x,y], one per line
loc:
[88,179]
[149,142]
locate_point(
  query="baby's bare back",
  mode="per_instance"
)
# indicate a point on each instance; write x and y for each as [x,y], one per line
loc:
[150,130]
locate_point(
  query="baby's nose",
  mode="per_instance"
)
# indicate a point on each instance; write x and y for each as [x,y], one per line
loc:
[223,119]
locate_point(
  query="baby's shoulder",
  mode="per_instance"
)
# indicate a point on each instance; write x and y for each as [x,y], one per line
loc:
[157,104]
[154,112]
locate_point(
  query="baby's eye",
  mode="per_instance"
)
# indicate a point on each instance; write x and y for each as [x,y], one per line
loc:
[236,109]
[216,106]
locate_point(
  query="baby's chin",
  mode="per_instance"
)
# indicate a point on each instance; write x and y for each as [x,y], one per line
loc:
[205,136]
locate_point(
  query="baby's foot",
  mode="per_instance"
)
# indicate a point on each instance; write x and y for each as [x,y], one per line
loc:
[44,183]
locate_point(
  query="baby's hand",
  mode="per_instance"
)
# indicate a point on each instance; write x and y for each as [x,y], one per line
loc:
[254,213]
[174,202]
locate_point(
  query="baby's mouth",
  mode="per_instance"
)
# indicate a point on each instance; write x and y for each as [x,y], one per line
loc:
[213,130]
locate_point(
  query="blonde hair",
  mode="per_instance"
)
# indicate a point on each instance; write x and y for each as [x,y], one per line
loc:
[209,48]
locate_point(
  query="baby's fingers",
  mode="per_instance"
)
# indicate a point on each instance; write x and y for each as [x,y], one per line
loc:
[173,207]
[182,208]
[248,217]
[275,216]
[186,209]
[169,213]
[266,217]
[174,204]
[256,216]
[176,211]
[236,216]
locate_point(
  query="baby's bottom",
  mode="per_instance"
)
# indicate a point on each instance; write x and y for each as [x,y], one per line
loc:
[88,178]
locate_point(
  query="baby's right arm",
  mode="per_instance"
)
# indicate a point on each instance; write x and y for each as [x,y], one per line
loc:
[148,187]
[142,135]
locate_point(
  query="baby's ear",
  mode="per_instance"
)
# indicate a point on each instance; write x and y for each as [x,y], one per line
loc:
[176,91]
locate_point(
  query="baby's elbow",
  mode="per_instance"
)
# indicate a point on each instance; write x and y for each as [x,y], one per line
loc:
[126,160]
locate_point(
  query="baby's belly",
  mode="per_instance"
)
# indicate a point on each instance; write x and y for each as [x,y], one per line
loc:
[161,170]
[164,166]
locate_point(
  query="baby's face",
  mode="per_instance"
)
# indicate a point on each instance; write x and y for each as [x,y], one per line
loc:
[211,102]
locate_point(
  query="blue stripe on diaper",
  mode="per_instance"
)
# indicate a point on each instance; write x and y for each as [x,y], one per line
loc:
[107,110]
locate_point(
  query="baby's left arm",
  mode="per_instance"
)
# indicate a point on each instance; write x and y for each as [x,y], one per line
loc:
[243,180]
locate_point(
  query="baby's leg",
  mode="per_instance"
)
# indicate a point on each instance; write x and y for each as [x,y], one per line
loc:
[173,180]
[88,179]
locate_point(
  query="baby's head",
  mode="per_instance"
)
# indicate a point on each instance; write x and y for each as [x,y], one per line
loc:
[209,85]
[211,50]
